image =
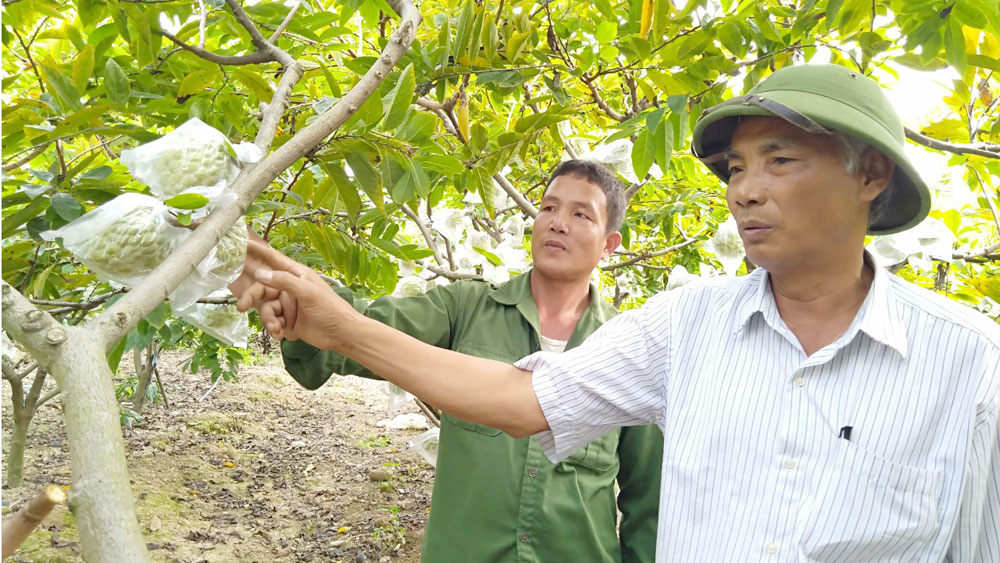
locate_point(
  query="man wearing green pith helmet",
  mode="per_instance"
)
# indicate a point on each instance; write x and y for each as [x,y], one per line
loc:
[817,409]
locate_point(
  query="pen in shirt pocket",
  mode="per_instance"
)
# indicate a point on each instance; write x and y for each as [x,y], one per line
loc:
[852,411]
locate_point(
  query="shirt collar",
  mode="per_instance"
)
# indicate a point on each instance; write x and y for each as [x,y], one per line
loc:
[878,316]
[517,292]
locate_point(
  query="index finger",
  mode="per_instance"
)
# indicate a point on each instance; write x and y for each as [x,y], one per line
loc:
[274,259]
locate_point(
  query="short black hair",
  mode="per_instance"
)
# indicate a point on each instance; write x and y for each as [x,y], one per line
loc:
[598,175]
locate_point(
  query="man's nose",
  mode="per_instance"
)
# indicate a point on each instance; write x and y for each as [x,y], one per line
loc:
[559,223]
[748,188]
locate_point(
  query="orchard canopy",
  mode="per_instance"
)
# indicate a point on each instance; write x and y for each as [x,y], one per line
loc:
[434,175]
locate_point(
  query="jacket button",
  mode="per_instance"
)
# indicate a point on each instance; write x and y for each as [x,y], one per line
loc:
[532,473]
[524,538]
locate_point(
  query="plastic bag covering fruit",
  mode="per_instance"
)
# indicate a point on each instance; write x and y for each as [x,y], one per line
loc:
[122,240]
[223,322]
[231,251]
[194,154]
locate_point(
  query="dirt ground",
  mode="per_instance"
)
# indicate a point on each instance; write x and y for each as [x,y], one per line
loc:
[261,470]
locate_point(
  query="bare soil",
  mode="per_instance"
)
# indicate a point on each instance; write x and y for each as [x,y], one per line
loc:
[261,470]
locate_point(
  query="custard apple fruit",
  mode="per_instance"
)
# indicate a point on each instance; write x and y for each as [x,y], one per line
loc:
[231,250]
[180,167]
[134,244]
[220,318]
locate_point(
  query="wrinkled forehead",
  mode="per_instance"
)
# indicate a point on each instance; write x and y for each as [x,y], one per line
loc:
[764,134]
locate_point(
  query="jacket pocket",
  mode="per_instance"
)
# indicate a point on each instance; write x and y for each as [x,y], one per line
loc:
[868,508]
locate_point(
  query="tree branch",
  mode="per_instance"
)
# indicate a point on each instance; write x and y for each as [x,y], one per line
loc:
[648,255]
[284,23]
[241,16]
[981,253]
[950,147]
[125,313]
[428,236]
[454,276]
[15,165]
[600,101]
[256,57]
[517,196]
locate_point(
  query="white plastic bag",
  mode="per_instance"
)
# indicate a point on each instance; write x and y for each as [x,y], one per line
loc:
[398,398]
[194,154]
[124,239]
[426,444]
[223,322]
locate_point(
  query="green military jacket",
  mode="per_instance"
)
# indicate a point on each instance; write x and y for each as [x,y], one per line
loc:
[497,499]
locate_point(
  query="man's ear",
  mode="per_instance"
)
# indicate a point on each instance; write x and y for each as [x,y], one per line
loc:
[611,243]
[877,170]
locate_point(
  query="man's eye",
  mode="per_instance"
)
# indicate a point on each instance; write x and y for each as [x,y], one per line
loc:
[581,214]
[782,160]
[735,170]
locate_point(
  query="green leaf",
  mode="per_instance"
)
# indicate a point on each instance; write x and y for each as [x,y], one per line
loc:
[606,31]
[116,83]
[490,38]
[492,258]
[66,206]
[982,61]
[184,219]
[197,81]
[464,29]
[367,177]
[159,316]
[767,27]
[255,83]
[954,45]
[731,38]
[444,39]
[442,163]
[187,201]
[345,189]
[58,82]
[115,355]
[83,67]
[397,102]
[643,152]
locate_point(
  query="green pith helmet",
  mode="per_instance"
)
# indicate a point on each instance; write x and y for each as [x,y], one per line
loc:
[822,99]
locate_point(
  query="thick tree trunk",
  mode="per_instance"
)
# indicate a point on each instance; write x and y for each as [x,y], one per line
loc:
[101,498]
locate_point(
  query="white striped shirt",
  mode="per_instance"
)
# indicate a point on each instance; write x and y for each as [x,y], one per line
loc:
[753,469]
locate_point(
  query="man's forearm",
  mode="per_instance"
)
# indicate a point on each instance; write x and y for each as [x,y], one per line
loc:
[474,389]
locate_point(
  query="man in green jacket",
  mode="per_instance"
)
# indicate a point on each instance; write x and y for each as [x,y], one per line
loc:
[497,499]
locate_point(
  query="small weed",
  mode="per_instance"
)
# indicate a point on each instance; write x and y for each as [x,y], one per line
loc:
[379,441]
[389,533]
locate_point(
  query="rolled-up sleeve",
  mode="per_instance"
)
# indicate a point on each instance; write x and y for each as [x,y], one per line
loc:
[616,378]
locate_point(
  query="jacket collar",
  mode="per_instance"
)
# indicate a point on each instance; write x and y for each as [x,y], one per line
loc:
[517,292]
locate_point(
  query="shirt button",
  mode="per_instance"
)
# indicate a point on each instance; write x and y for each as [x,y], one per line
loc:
[772,548]
[789,464]
[524,538]
[532,473]
[800,381]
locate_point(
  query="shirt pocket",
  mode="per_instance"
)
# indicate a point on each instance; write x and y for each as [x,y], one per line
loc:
[870,509]
[599,455]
